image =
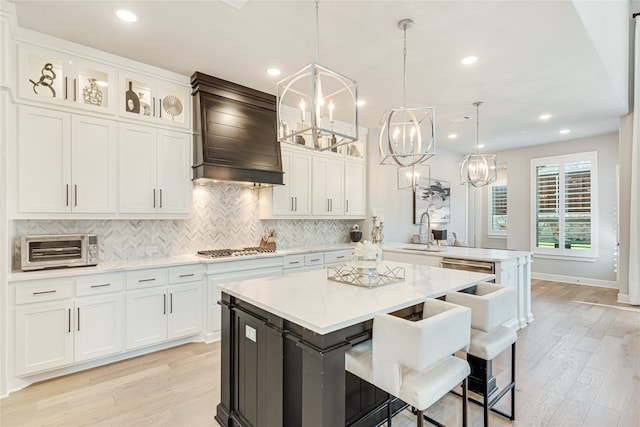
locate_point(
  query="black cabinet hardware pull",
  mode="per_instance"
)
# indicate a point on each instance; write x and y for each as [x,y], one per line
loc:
[78,319]
[164,302]
[315,260]
[171,303]
[75,195]
[69,322]
[146,280]
[75,91]
[161,197]
[44,292]
[66,84]
[186,275]
[340,257]
[154,106]
[294,262]
[101,286]
[154,197]
[67,191]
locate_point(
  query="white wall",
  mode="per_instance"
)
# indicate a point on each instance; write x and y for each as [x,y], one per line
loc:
[603,270]
[397,205]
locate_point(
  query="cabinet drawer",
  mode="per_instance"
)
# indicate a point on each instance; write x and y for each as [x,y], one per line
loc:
[313,259]
[337,256]
[99,284]
[293,261]
[43,290]
[188,273]
[146,278]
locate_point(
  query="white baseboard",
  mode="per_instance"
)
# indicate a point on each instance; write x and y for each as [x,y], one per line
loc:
[623,298]
[575,280]
[211,337]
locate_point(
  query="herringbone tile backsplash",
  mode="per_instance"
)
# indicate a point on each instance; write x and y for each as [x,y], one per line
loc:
[223,216]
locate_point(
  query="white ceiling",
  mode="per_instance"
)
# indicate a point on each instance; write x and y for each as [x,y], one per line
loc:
[569,59]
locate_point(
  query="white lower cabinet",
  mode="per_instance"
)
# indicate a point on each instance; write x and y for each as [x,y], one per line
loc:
[65,321]
[44,337]
[146,317]
[98,326]
[66,330]
[157,312]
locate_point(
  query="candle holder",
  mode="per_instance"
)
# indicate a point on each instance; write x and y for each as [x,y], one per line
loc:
[381,232]
[375,231]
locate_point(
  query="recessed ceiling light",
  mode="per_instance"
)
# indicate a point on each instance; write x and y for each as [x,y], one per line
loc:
[126,15]
[469,60]
[453,135]
[565,131]
[273,71]
[102,83]
[545,117]
[480,145]
[361,102]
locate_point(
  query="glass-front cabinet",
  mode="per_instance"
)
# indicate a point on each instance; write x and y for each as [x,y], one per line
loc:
[50,76]
[152,100]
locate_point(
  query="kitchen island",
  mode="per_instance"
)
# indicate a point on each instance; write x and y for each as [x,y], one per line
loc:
[511,268]
[284,340]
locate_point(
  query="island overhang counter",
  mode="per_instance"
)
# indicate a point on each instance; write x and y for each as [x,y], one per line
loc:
[284,339]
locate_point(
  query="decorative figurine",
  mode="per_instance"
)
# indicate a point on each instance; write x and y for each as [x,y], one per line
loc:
[46,79]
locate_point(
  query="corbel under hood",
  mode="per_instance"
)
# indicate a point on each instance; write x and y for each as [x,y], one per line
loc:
[235,134]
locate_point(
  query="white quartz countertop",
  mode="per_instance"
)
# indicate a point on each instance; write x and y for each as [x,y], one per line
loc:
[124,265]
[314,302]
[478,254]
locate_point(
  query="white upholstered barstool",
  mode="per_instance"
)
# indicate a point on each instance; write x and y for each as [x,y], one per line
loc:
[414,361]
[491,305]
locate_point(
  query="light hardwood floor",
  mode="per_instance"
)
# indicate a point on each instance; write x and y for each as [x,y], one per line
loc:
[578,364]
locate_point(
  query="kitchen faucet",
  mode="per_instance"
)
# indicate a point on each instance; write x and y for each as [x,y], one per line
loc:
[425,213]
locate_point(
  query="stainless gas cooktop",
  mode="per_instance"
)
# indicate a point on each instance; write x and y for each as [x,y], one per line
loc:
[221,253]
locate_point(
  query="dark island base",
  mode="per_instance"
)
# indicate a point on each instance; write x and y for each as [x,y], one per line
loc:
[290,376]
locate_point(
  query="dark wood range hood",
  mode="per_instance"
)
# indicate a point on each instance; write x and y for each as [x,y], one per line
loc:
[235,134]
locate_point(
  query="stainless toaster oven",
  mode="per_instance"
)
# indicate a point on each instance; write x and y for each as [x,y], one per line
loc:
[58,250]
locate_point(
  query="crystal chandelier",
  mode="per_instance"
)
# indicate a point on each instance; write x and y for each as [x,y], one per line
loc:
[478,169]
[407,135]
[309,101]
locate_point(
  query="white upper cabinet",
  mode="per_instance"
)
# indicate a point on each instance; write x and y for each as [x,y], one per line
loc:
[317,185]
[154,170]
[65,163]
[354,189]
[328,182]
[154,100]
[50,76]
[293,199]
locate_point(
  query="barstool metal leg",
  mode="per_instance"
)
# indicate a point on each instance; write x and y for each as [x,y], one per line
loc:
[485,399]
[513,381]
[464,403]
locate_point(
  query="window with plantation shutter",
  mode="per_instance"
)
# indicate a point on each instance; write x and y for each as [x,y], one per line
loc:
[564,205]
[498,209]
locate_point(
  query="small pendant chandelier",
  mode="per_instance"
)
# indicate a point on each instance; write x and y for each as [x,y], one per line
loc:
[407,135]
[309,100]
[478,169]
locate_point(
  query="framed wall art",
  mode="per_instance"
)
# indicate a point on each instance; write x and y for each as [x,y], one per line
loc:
[434,196]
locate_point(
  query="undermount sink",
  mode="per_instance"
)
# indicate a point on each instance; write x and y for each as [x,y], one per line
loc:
[432,249]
